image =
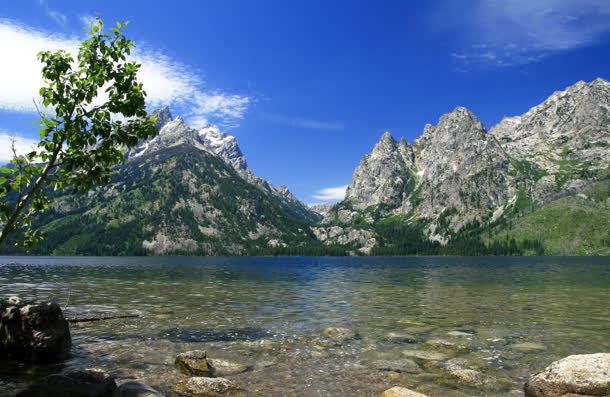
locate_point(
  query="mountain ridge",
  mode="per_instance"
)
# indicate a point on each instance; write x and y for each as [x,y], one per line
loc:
[457,176]
[456,189]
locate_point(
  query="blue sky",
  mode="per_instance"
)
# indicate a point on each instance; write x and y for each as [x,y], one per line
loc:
[308,87]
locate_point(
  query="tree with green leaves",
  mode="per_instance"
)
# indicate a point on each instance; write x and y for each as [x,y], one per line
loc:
[93,110]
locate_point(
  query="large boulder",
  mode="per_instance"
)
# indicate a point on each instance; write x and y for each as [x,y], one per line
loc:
[577,375]
[33,332]
[75,383]
[206,387]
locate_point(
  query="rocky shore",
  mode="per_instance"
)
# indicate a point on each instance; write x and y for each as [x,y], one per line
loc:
[32,333]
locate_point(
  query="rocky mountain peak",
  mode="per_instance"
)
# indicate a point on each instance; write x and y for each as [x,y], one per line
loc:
[223,145]
[382,175]
[164,116]
[571,124]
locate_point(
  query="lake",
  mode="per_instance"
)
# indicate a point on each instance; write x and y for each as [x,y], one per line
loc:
[503,317]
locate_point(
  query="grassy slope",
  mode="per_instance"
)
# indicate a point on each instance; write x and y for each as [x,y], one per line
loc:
[568,226]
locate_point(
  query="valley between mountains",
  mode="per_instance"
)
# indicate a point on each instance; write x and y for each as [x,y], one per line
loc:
[534,184]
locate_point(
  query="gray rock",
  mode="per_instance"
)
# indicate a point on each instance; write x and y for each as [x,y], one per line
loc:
[456,370]
[206,387]
[398,337]
[224,367]
[33,332]
[135,389]
[425,355]
[444,345]
[75,383]
[194,362]
[578,375]
[339,333]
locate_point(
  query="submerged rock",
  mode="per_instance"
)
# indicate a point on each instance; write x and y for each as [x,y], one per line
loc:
[33,332]
[577,375]
[455,369]
[528,347]
[425,355]
[398,391]
[398,337]
[77,383]
[460,333]
[413,323]
[400,365]
[194,362]
[135,389]
[339,333]
[206,387]
[444,346]
[224,367]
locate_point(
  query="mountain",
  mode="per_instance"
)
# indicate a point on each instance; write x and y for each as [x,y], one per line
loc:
[538,183]
[459,182]
[185,191]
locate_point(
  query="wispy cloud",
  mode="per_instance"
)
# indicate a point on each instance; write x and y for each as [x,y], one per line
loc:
[504,33]
[166,80]
[55,15]
[307,123]
[23,145]
[336,193]
[87,20]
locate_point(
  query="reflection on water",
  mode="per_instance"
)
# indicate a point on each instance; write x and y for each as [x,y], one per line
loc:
[267,313]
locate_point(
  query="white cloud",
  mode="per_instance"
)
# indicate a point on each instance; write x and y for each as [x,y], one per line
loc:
[512,32]
[306,123]
[23,145]
[336,193]
[55,15]
[166,81]
[227,108]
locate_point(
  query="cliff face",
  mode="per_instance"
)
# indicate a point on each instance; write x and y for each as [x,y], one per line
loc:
[456,174]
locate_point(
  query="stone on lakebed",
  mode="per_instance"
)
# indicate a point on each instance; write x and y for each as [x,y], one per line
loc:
[339,333]
[194,362]
[576,375]
[398,391]
[208,387]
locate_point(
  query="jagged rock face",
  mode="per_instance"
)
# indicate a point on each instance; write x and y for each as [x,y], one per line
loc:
[460,167]
[323,208]
[337,235]
[562,141]
[456,173]
[577,118]
[454,168]
[164,116]
[223,145]
[383,176]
